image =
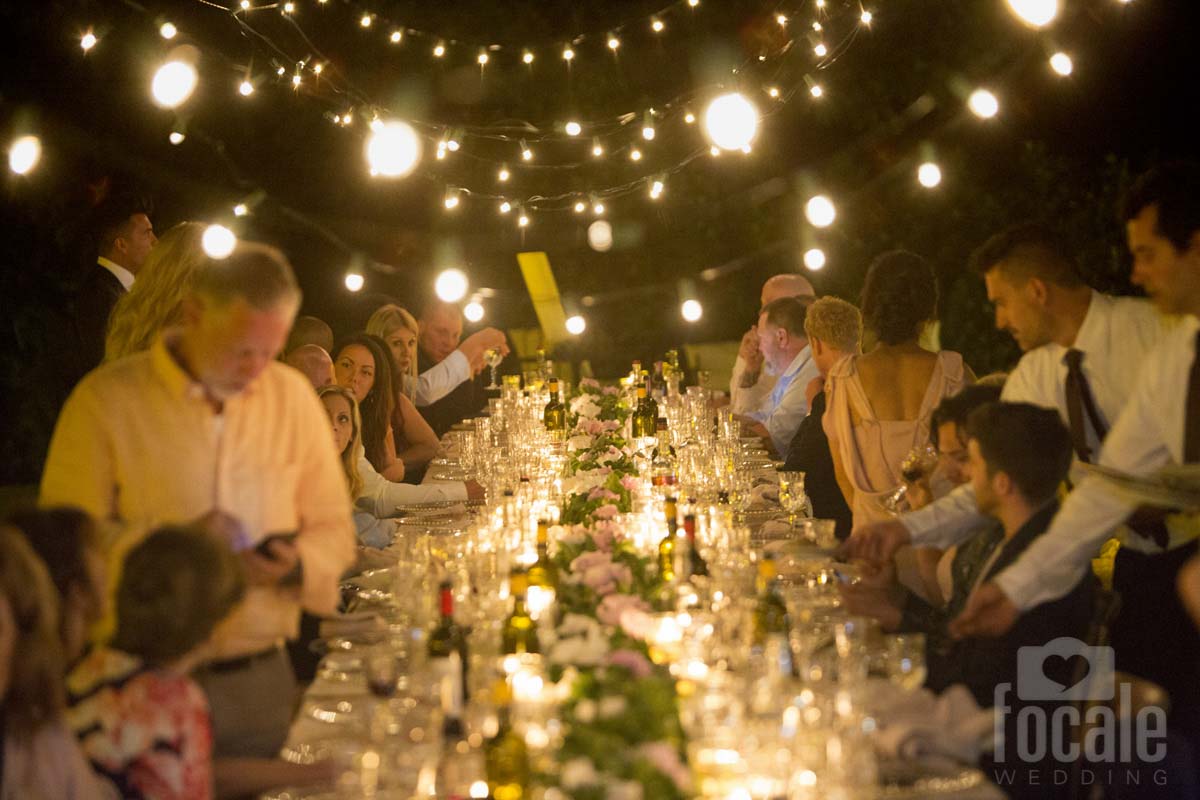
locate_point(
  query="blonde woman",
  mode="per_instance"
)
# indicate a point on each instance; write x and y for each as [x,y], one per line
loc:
[398,329]
[154,301]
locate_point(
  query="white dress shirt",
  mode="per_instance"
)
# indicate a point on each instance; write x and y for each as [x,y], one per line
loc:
[1147,436]
[439,380]
[750,399]
[121,274]
[383,498]
[788,405]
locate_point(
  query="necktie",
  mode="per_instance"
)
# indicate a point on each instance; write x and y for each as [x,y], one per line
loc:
[1191,426]
[1079,403]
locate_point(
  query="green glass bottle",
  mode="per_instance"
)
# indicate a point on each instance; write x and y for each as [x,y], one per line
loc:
[667,547]
[544,572]
[696,562]
[447,650]
[770,613]
[506,757]
[519,634]
[555,414]
[645,415]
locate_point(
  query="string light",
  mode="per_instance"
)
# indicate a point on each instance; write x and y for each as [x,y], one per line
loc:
[689,118]
[296,80]
[691,310]
[24,154]
[635,154]
[814,258]
[648,132]
[279,71]
[613,43]
[714,151]
[576,324]
[167,30]
[88,41]
[527,57]
[452,145]
[821,50]
[505,207]
[1035,13]
[441,151]
[816,91]
[523,220]
[568,54]
[657,25]
[289,8]
[365,21]
[573,128]
[693,3]
[451,285]
[817,27]
[929,175]
[318,68]
[240,210]
[393,148]
[246,88]
[173,83]
[176,137]
[473,311]
[218,241]
[731,121]
[439,51]
[656,189]
[580,206]
[600,236]
[526,153]
[866,17]
[482,59]
[396,37]
[503,174]
[782,20]
[245,5]
[354,281]
[773,92]
[983,104]
[820,211]
[597,208]
[451,200]
[1062,64]
[597,148]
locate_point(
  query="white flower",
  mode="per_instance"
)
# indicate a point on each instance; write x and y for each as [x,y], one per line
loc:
[583,651]
[577,773]
[612,706]
[623,790]
[573,535]
[585,711]
[585,406]
[580,441]
[576,625]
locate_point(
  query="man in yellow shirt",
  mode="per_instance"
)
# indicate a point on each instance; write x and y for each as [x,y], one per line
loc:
[207,422]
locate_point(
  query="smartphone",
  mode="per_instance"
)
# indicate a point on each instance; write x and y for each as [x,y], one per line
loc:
[263,548]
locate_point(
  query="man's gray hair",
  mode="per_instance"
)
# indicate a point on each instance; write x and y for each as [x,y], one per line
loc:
[256,273]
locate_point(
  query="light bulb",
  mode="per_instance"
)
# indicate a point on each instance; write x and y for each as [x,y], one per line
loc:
[526,154]
[503,174]
[576,325]
[523,220]
[451,201]
[568,54]
[648,133]
[289,8]
[167,30]
[580,206]
[218,241]
[597,149]
[573,128]
[246,88]
[657,26]
[396,37]
[600,236]
[354,281]
[88,41]
[866,17]
[689,118]
[656,190]
[451,285]
[693,3]
[439,51]
[240,210]
[473,311]
[816,90]
[318,68]
[613,43]
[821,50]
[173,83]
[691,310]
[24,154]
[814,259]
[175,137]
[482,59]
[929,174]
[393,148]
[505,207]
[452,145]
[781,19]
[714,151]
[598,208]
[773,92]
[1035,13]
[1062,64]
[527,57]
[983,104]
[820,211]
[731,121]
[245,4]
[296,80]
[635,155]
[365,21]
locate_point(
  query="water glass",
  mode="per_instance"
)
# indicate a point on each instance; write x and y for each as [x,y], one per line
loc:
[905,660]
[821,532]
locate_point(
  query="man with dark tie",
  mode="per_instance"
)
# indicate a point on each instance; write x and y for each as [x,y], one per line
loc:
[125,237]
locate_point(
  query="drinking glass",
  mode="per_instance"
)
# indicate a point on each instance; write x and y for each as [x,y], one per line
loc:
[791,494]
[821,532]
[493,357]
[917,464]
[905,660]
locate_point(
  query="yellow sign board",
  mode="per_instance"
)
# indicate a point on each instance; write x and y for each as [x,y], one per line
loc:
[543,291]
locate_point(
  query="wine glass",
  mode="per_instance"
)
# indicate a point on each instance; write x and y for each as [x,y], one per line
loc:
[492,357]
[791,494]
[917,464]
[906,660]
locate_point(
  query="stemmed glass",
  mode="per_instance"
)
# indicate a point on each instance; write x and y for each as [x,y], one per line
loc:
[906,661]
[791,494]
[492,357]
[919,463]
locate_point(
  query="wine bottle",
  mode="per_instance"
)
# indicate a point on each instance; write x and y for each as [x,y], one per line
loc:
[666,547]
[662,460]
[697,564]
[555,414]
[519,634]
[770,612]
[447,650]
[543,573]
[506,757]
[645,415]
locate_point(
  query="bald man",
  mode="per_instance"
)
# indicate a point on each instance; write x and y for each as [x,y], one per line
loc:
[751,385]
[314,362]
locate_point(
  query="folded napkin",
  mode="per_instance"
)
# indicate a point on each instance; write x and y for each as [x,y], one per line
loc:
[777,529]
[764,494]
[921,724]
[352,624]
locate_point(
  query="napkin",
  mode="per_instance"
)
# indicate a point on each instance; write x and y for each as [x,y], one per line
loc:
[921,724]
[776,529]
[764,494]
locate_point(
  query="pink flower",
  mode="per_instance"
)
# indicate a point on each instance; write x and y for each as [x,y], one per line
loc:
[609,425]
[664,758]
[606,511]
[610,390]
[600,493]
[612,607]
[630,483]
[586,561]
[636,623]
[631,660]
[604,533]
[592,427]
[589,383]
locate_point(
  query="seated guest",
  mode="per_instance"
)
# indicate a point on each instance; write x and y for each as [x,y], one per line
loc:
[68,544]
[958,570]
[314,362]
[39,757]
[878,405]
[438,342]
[834,330]
[309,330]
[785,347]
[750,384]
[141,720]
[1018,455]
[376,497]
[155,302]
[364,365]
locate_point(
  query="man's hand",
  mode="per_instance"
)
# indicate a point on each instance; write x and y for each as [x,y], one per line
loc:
[876,542]
[270,571]
[989,612]
[877,594]
[475,491]
[752,356]
[478,343]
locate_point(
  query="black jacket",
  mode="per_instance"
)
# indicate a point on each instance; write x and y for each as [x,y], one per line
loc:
[98,293]
[809,453]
